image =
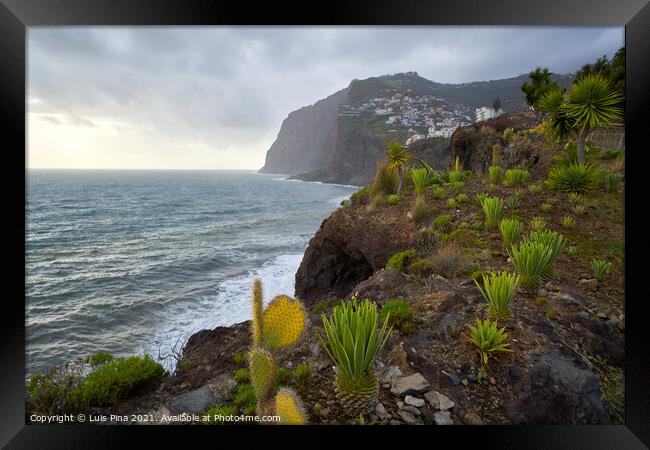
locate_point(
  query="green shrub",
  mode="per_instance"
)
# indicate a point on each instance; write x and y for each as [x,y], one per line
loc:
[530,259]
[400,315]
[421,267]
[99,358]
[439,192]
[420,211]
[324,305]
[462,198]
[610,181]
[443,221]
[400,259]
[488,338]
[535,188]
[454,176]
[245,396]
[568,222]
[458,186]
[600,268]
[427,241]
[451,202]
[499,289]
[545,207]
[241,375]
[450,260]
[284,376]
[56,390]
[386,180]
[575,197]
[574,177]
[115,380]
[377,200]
[360,197]
[579,210]
[421,180]
[495,174]
[513,202]
[217,413]
[510,231]
[393,199]
[493,209]
[302,371]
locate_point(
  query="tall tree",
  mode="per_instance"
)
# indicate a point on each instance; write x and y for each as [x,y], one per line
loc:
[539,85]
[591,102]
[614,70]
[496,105]
[398,157]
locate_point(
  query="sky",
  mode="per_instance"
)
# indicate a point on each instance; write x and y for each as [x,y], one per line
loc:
[215,97]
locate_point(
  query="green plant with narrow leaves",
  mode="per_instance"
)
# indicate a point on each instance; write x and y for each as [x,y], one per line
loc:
[510,231]
[545,207]
[499,289]
[461,198]
[398,157]
[493,209]
[513,202]
[579,210]
[439,192]
[353,340]
[601,268]
[575,197]
[385,181]
[421,179]
[530,259]
[535,188]
[399,313]
[451,202]
[537,223]
[568,222]
[611,181]
[572,250]
[554,241]
[420,210]
[495,174]
[578,178]
[480,196]
[488,338]
[516,177]
[458,185]
[393,200]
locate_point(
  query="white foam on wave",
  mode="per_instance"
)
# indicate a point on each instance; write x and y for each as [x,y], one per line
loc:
[230,305]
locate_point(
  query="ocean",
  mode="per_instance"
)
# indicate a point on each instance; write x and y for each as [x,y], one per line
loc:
[134,262]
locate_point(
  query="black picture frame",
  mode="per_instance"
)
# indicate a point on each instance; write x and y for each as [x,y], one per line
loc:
[16,15]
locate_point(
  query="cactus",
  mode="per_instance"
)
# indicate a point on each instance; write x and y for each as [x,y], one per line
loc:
[289,407]
[279,325]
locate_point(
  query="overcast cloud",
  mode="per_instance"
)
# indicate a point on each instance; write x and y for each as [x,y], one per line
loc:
[215,97]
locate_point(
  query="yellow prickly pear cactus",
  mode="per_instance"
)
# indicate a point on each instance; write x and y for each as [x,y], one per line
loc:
[289,407]
[257,311]
[263,371]
[283,322]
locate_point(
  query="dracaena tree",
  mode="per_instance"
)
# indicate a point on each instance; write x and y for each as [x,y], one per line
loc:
[398,157]
[591,102]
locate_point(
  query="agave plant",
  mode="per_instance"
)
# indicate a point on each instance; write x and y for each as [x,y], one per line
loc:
[545,207]
[353,341]
[535,188]
[458,185]
[516,176]
[421,180]
[601,268]
[462,198]
[495,174]
[575,197]
[530,259]
[568,221]
[488,338]
[493,209]
[555,242]
[510,230]
[578,178]
[537,223]
[513,202]
[579,210]
[480,196]
[499,289]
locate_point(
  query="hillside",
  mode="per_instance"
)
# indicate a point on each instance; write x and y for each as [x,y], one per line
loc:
[341,138]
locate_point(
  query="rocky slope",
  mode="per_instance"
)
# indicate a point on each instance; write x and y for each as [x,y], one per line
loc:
[322,142]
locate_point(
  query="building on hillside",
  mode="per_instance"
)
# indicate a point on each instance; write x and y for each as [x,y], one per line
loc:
[485,113]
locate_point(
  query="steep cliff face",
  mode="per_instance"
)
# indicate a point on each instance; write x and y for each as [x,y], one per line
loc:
[305,135]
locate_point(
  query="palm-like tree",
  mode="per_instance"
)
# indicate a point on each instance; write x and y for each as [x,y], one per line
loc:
[398,157]
[591,102]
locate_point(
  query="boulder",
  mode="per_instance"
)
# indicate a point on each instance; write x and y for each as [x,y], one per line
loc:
[195,401]
[557,390]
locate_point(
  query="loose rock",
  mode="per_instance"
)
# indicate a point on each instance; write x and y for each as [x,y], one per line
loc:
[439,401]
[414,401]
[443,418]
[413,384]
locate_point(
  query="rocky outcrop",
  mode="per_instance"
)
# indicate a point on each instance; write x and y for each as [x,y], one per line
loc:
[473,144]
[348,248]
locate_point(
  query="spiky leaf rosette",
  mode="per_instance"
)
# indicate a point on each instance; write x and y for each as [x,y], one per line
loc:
[283,322]
[530,258]
[356,396]
[263,371]
[289,407]
[555,242]
[256,300]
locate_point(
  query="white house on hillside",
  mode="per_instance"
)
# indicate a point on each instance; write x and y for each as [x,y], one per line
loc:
[485,113]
